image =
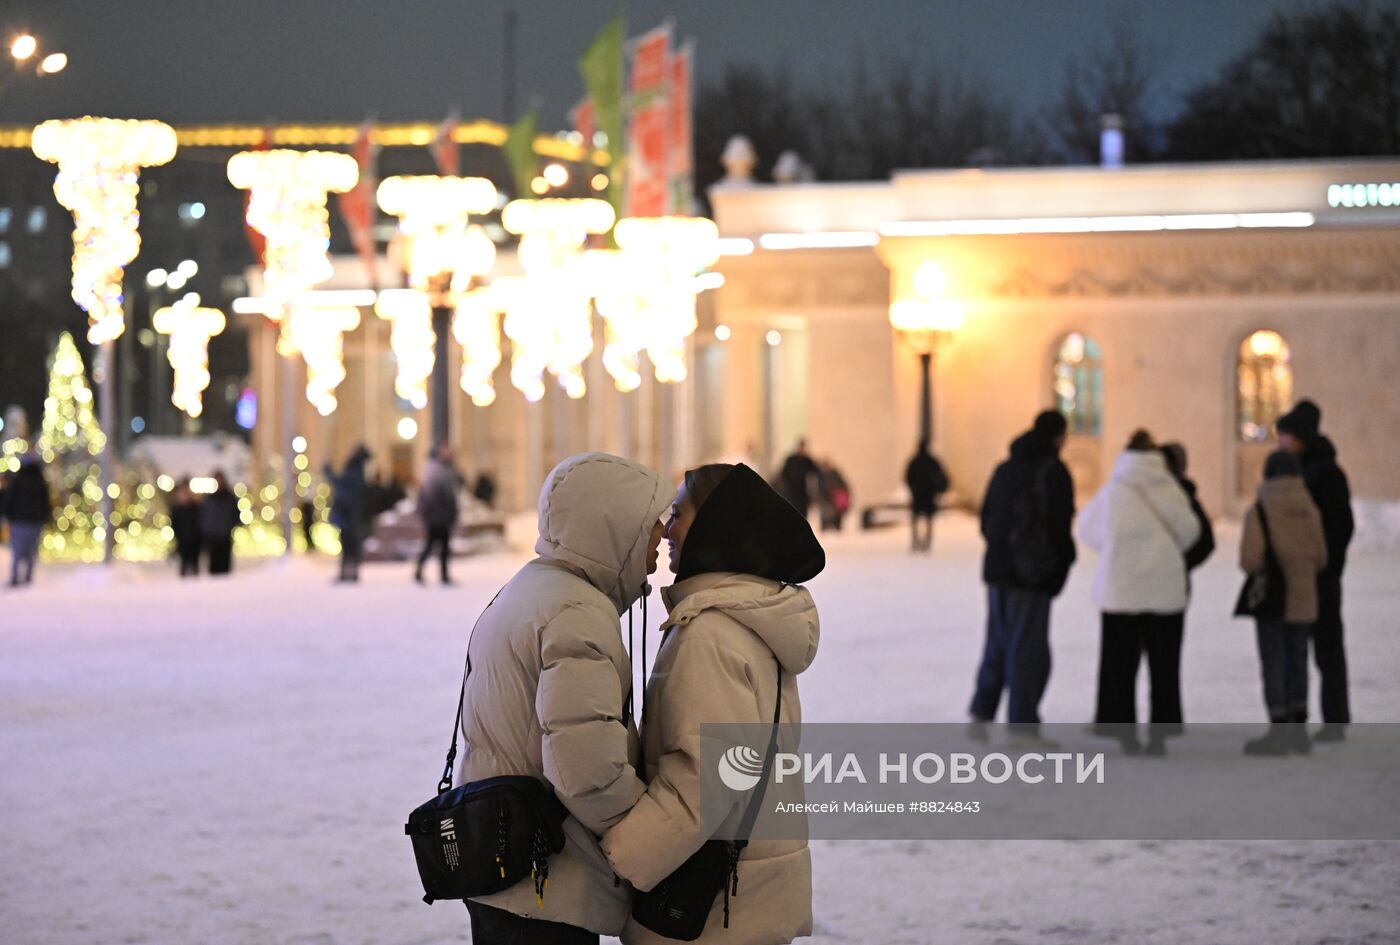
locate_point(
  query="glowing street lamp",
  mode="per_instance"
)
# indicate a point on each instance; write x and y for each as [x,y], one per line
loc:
[925,322]
[24,47]
[190,326]
[445,254]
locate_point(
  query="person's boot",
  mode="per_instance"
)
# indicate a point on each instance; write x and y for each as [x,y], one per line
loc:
[418,576]
[1331,732]
[1273,743]
[1156,745]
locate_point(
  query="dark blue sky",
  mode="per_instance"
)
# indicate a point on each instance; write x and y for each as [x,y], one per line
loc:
[252,60]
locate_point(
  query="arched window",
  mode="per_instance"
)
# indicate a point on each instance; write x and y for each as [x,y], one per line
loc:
[1079,383]
[1264,375]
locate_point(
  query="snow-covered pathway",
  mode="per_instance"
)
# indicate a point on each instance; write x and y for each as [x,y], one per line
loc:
[230,762]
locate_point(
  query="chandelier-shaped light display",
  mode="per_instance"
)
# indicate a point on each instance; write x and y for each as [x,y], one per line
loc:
[477,328]
[615,286]
[664,255]
[444,254]
[287,205]
[318,334]
[99,162]
[548,316]
[190,326]
[411,338]
[434,214]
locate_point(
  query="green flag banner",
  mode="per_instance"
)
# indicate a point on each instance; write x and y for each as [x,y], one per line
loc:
[520,152]
[601,68]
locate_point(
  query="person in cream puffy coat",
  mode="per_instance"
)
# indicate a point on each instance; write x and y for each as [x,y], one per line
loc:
[1141,523]
[737,623]
[549,690]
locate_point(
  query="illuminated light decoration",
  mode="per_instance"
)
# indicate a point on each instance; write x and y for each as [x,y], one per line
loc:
[317,333]
[99,162]
[318,298]
[190,326]
[411,338]
[1105,224]
[735,246]
[433,217]
[548,315]
[477,328]
[407,428]
[287,205]
[614,286]
[69,424]
[445,254]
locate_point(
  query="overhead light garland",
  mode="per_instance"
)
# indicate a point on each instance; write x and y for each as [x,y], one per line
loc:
[318,334]
[411,338]
[99,162]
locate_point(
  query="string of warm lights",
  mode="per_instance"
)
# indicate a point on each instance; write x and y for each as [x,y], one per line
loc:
[411,338]
[477,328]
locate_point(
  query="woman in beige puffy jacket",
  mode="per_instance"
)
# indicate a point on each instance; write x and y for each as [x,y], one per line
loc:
[737,623]
[1300,547]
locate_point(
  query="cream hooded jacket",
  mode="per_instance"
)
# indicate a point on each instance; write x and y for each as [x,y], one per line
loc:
[726,636]
[550,678]
[1141,524]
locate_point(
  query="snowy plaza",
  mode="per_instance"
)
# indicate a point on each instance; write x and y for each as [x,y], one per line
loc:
[234,759]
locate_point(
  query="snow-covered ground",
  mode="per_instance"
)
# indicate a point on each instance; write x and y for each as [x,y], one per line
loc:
[231,762]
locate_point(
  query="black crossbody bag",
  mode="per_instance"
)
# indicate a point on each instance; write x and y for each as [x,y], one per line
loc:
[484,836]
[1264,594]
[679,906]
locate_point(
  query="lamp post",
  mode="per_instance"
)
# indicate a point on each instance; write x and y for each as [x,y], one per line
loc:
[99,162]
[24,50]
[926,321]
[444,256]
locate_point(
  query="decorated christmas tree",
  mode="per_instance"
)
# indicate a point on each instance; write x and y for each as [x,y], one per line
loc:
[70,425]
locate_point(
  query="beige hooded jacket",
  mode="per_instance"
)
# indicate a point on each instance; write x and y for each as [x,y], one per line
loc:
[550,677]
[1295,527]
[726,636]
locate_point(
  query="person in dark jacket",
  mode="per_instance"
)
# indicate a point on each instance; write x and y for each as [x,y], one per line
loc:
[28,507]
[926,481]
[350,511]
[1299,433]
[485,489]
[1027,515]
[437,507]
[184,522]
[796,477]
[1196,555]
[218,517]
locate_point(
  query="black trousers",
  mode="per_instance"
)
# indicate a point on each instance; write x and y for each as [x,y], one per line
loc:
[925,541]
[439,538]
[1283,666]
[220,554]
[1124,638]
[189,559]
[491,926]
[1328,651]
[351,550]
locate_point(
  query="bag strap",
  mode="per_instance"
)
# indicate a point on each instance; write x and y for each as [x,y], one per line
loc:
[445,783]
[746,825]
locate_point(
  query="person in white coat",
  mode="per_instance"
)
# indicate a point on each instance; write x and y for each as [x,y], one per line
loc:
[1141,523]
[739,631]
[549,693]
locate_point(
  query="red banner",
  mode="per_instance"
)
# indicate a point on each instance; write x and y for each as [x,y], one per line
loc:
[585,120]
[649,135]
[682,147]
[444,148]
[357,206]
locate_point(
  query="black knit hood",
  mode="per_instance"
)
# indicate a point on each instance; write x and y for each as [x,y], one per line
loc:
[748,528]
